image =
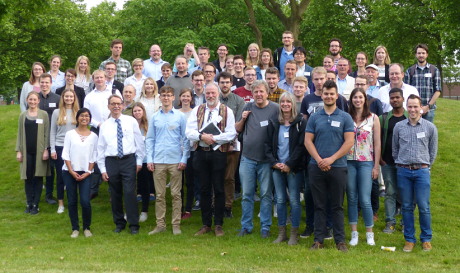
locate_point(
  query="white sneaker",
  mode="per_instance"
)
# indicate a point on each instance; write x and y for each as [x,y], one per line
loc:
[354,238]
[60,209]
[74,234]
[143,217]
[87,233]
[302,198]
[275,211]
[370,238]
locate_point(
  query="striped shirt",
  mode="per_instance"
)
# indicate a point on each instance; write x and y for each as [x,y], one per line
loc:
[415,144]
[124,69]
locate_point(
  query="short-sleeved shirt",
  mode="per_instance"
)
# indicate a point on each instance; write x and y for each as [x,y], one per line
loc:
[329,133]
[245,94]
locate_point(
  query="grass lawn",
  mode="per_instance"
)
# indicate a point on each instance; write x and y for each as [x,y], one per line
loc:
[42,243]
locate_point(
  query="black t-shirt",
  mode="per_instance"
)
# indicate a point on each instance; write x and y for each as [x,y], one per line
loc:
[387,154]
[238,82]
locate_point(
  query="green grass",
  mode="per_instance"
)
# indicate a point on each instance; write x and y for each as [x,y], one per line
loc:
[42,243]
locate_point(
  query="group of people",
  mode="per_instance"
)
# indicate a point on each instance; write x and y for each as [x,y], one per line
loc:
[268,123]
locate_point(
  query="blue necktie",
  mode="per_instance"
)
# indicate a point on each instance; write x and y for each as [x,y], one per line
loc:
[119,138]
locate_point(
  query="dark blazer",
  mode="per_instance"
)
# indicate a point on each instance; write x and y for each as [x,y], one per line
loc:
[118,85]
[80,92]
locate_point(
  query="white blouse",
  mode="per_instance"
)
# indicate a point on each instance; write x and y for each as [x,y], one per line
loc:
[79,150]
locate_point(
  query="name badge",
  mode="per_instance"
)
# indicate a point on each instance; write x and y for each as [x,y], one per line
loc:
[39,121]
[335,123]
[218,119]
[382,75]
[264,123]
[52,104]
[123,69]
[427,75]
[286,134]
[421,135]
[306,74]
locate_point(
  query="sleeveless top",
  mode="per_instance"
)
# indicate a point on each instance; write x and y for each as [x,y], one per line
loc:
[363,148]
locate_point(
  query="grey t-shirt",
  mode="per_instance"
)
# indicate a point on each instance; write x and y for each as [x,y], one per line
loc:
[255,131]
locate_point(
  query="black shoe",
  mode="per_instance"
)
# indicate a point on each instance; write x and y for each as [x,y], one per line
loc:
[28,208]
[118,229]
[197,205]
[265,234]
[134,230]
[228,213]
[34,210]
[243,232]
[329,235]
[307,233]
[51,200]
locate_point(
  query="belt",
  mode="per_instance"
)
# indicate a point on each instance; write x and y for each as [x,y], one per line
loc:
[206,149]
[413,166]
[120,158]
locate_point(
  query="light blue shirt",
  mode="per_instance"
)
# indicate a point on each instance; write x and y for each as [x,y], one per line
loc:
[285,86]
[342,85]
[57,82]
[153,69]
[283,60]
[166,142]
[283,143]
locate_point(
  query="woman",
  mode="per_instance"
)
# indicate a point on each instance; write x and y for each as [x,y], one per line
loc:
[79,154]
[361,63]
[265,61]
[150,97]
[70,76]
[252,55]
[62,121]
[57,75]
[137,79]
[31,150]
[300,57]
[328,63]
[32,84]
[382,60]
[144,176]
[186,105]
[229,65]
[287,154]
[363,164]
[83,78]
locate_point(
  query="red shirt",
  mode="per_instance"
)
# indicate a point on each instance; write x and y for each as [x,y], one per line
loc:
[244,93]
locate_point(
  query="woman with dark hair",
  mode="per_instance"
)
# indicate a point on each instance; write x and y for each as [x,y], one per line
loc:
[70,76]
[32,150]
[265,61]
[62,121]
[79,154]
[363,164]
[58,77]
[32,84]
[287,155]
[361,63]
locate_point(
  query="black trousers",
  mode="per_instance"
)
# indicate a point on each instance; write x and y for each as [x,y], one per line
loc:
[144,179]
[328,188]
[122,185]
[210,166]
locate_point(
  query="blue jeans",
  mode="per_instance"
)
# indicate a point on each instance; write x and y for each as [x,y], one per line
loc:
[430,115]
[288,182]
[250,172]
[72,188]
[390,179]
[359,186]
[415,185]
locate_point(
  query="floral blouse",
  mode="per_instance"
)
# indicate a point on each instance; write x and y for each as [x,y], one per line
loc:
[363,149]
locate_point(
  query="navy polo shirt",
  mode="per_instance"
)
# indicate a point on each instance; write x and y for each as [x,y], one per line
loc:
[329,133]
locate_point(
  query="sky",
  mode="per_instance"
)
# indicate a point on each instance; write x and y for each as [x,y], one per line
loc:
[93,3]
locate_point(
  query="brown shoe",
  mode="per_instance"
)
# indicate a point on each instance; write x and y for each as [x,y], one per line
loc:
[342,247]
[426,246]
[203,230]
[316,246]
[219,231]
[408,247]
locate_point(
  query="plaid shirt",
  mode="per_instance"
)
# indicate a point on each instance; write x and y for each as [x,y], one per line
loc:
[275,96]
[424,81]
[124,69]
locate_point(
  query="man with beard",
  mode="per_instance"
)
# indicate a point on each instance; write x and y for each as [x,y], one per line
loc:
[335,48]
[272,76]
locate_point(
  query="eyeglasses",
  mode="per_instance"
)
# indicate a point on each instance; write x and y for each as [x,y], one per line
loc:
[250,75]
[166,95]
[208,72]
[115,104]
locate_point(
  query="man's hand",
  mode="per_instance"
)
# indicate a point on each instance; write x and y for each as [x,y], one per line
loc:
[325,162]
[245,114]
[54,155]
[208,139]
[19,156]
[181,166]
[285,169]
[151,167]
[105,177]
[45,155]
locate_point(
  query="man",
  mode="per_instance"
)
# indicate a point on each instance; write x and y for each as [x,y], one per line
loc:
[124,69]
[129,93]
[313,102]
[180,79]
[70,75]
[372,74]
[328,138]
[166,71]
[211,156]
[284,53]
[272,77]
[331,76]
[209,73]
[153,65]
[303,69]
[300,86]
[120,150]
[219,63]
[203,56]
[245,91]
[238,65]
[345,83]
[198,87]
[427,79]
[396,71]
[167,154]
[236,103]
[335,48]
[255,165]
[290,70]
[387,122]
[110,69]
[49,101]
[415,144]
[375,105]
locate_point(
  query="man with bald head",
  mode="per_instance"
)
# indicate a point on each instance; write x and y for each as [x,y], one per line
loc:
[152,66]
[181,79]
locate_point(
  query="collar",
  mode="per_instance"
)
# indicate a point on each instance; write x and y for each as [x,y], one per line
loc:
[185,76]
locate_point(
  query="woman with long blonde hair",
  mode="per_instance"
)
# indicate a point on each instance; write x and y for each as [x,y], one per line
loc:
[83,79]
[150,97]
[382,60]
[252,55]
